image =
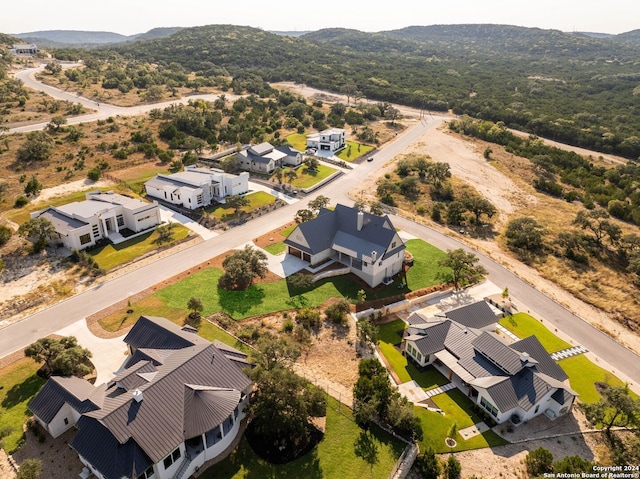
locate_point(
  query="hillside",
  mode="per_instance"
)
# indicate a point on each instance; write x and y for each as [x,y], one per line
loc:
[64,38]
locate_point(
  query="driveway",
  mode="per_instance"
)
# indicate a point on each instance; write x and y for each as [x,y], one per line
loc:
[108,354]
[170,216]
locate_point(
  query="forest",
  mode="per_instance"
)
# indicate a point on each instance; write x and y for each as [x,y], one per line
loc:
[572,88]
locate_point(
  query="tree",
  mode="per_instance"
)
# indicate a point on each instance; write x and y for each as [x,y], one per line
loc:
[241,267]
[525,233]
[372,391]
[318,203]
[304,215]
[463,265]
[277,173]
[338,311]
[237,202]
[428,464]
[5,234]
[479,206]
[616,407]
[597,221]
[30,469]
[37,147]
[572,465]
[290,175]
[165,232]
[367,331]
[60,356]
[94,174]
[312,163]
[455,212]
[538,462]
[33,186]
[41,229]
[437,173]
[195,306]
[282,402]
[57,122]
[452,468]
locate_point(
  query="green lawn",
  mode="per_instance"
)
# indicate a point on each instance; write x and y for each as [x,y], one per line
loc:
[19,384]
[136,178]
[524,325]
[354,151]
[112,255]
[333,458]
[287,231]
[276,248]
[583,374]
[425,270]
[307,178]
[297,141]
[256,200]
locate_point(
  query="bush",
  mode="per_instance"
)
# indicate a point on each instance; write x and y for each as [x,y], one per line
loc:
[5,234]
[20,202]
[337,312]
[308,318]
[94,174]
[30,469]
[287,326]
[539,461]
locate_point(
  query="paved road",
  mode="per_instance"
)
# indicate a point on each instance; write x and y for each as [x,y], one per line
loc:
[18,335]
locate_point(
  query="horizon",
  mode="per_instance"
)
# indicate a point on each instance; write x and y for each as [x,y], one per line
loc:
[128,18]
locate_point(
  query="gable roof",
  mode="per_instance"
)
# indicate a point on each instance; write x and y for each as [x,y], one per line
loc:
[187,386]
[338,229]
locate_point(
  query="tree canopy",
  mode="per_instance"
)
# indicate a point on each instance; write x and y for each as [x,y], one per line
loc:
[464,267]
[62,356]
[241,267]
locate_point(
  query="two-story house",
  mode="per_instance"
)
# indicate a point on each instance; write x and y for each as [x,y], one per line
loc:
[327,141]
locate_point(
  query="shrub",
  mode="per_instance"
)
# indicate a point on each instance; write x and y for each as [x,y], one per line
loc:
[287,326]
[337,312]
[539,461]
[308,318]
[20,201]
[5,234]
[94,174]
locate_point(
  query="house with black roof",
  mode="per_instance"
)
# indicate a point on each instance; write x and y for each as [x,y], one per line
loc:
[177,402]
[367,244]
[511,381]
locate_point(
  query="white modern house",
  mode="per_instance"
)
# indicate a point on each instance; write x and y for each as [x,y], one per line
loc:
[327,141]
[264,158]
[103,215]
[512,381]
[197,187]
[24,49]
[176,403]
[366,244]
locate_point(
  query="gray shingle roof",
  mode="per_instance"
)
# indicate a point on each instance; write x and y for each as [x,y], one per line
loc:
[339,227]
[477,315]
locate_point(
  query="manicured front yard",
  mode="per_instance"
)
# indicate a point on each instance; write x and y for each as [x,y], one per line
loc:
[297,141]
[583,374]
[333,458]
[425,270]
[353,151]
[112,255]
[19,384]
[256,200]
[524,325]
[307,178]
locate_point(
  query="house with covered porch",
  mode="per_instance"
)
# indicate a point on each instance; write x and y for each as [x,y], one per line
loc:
[177,402]
[514,381]
[365,244]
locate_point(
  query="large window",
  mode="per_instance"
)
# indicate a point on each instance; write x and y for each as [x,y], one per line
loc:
[213,436]
[85,238]
[120,220]
[171,458]
[489,407]
[147,474]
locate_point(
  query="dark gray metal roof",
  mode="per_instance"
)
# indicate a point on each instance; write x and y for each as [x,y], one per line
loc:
[523,390]
[492,347]
[261,149]
[58,390]
[151,332]
[477,315]
[430,338]
[546,365]
[97,445]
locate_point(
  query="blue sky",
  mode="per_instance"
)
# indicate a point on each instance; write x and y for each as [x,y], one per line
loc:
[137,16]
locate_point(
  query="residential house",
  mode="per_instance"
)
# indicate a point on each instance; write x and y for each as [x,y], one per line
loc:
[197,187]
[512,381]
[264,158]
[176,403]
[24,49]
[327,141]
[366,244]
[103,215]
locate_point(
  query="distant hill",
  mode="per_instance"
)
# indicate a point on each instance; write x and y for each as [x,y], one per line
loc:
[594,34]
[291,34]
[66,38]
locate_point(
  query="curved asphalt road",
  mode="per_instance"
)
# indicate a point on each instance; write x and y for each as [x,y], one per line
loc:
[19,334]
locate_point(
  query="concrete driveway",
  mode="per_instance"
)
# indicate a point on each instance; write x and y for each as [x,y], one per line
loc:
[171,216]
[108,354]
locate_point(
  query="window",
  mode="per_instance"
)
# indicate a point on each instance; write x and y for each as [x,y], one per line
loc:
[489,407]
[213,436]
[393,245]
[66,421]
[85,238]
[171,458]
[199,199]
[120,220]
[96,231]
[147,474]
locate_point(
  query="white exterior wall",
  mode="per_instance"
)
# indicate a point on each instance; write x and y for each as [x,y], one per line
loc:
[320,257]
[57,425]
[138,221]
[423,360]
[90,467]
[72,241]
[163,473]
